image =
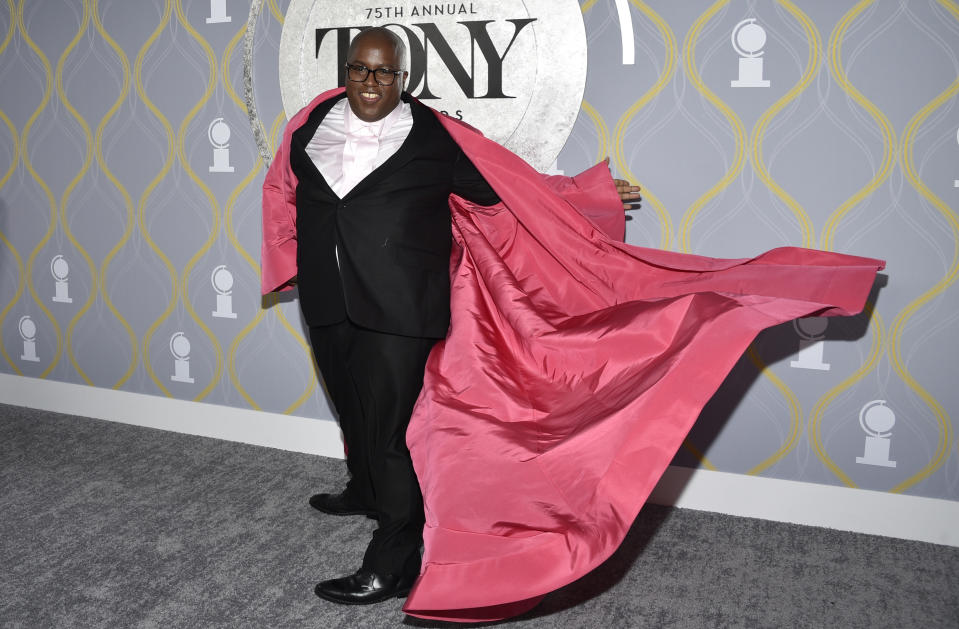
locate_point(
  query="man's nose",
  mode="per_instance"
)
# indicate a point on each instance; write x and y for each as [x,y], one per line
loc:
[370,78]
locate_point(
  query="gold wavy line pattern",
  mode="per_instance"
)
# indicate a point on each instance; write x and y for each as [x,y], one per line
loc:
[275,129]
[226,77]
[211,198]
[16,148]
[805,223]
[602,131]
[888,134]
[231,356]
[622,125]
[14,300]
[586,6]
[839,75]
[230,231]
[15,157]
[275,10]
[905,155]
[8,36]
[898,326]
[692,73]
[304,346]
[141,205]
[14,160]
[47,89]
[253,263]
[759,130]
[84,168]
[270,301]
[739,131]
[795,413]
[127,200]
[816,416]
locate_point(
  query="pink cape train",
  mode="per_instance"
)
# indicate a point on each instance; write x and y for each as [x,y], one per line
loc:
[574,367]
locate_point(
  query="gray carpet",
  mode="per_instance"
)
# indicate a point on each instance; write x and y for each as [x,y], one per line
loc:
[110,525]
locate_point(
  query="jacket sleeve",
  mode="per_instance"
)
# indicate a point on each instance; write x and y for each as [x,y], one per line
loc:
[593,193]
[469,183]
[278,248]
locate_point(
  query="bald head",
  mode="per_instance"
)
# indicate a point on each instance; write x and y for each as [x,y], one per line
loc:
[380,36]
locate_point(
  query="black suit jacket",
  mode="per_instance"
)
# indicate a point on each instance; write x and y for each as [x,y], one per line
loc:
[380,255]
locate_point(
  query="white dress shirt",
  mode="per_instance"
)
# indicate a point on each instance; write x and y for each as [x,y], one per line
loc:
[346,149]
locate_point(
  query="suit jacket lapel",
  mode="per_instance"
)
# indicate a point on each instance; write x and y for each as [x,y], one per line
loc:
[302,136]
[415,144]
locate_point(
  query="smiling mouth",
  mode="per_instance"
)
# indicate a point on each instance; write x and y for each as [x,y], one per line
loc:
[369,97]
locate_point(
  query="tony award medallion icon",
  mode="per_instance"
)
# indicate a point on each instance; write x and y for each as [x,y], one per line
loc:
[811,332]
[60,270]
[180,348]
[28,332]
[877,420]
[222,281]
[219,134]
[218,12]
[748,40]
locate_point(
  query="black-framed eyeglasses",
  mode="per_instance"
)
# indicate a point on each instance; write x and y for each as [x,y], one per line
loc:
[382,76]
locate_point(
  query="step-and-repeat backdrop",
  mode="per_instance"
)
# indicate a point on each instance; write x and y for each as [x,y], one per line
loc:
[134,136]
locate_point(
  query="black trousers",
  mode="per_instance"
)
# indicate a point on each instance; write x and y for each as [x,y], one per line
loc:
[374,379]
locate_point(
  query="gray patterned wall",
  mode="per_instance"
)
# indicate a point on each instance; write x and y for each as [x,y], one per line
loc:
[121,221]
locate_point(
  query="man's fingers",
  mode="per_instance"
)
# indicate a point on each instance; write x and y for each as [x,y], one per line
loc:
[628,193]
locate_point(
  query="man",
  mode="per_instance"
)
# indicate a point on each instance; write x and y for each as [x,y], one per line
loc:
[571,364]
[367,222]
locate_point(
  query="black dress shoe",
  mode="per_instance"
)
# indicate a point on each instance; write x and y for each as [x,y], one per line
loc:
[364,588]
[338,504]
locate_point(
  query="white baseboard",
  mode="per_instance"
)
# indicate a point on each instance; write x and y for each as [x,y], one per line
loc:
[857,510]
[273,430]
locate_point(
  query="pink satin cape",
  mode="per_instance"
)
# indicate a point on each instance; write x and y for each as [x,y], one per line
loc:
[574,367]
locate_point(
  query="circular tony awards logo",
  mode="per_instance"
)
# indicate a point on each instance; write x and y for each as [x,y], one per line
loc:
[515,69]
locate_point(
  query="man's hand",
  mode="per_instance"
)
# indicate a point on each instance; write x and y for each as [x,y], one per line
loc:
[628,193]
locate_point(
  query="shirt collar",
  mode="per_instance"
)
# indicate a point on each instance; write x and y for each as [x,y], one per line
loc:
[379,128]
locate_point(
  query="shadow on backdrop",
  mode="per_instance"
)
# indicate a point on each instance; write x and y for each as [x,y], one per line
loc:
[772,346]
